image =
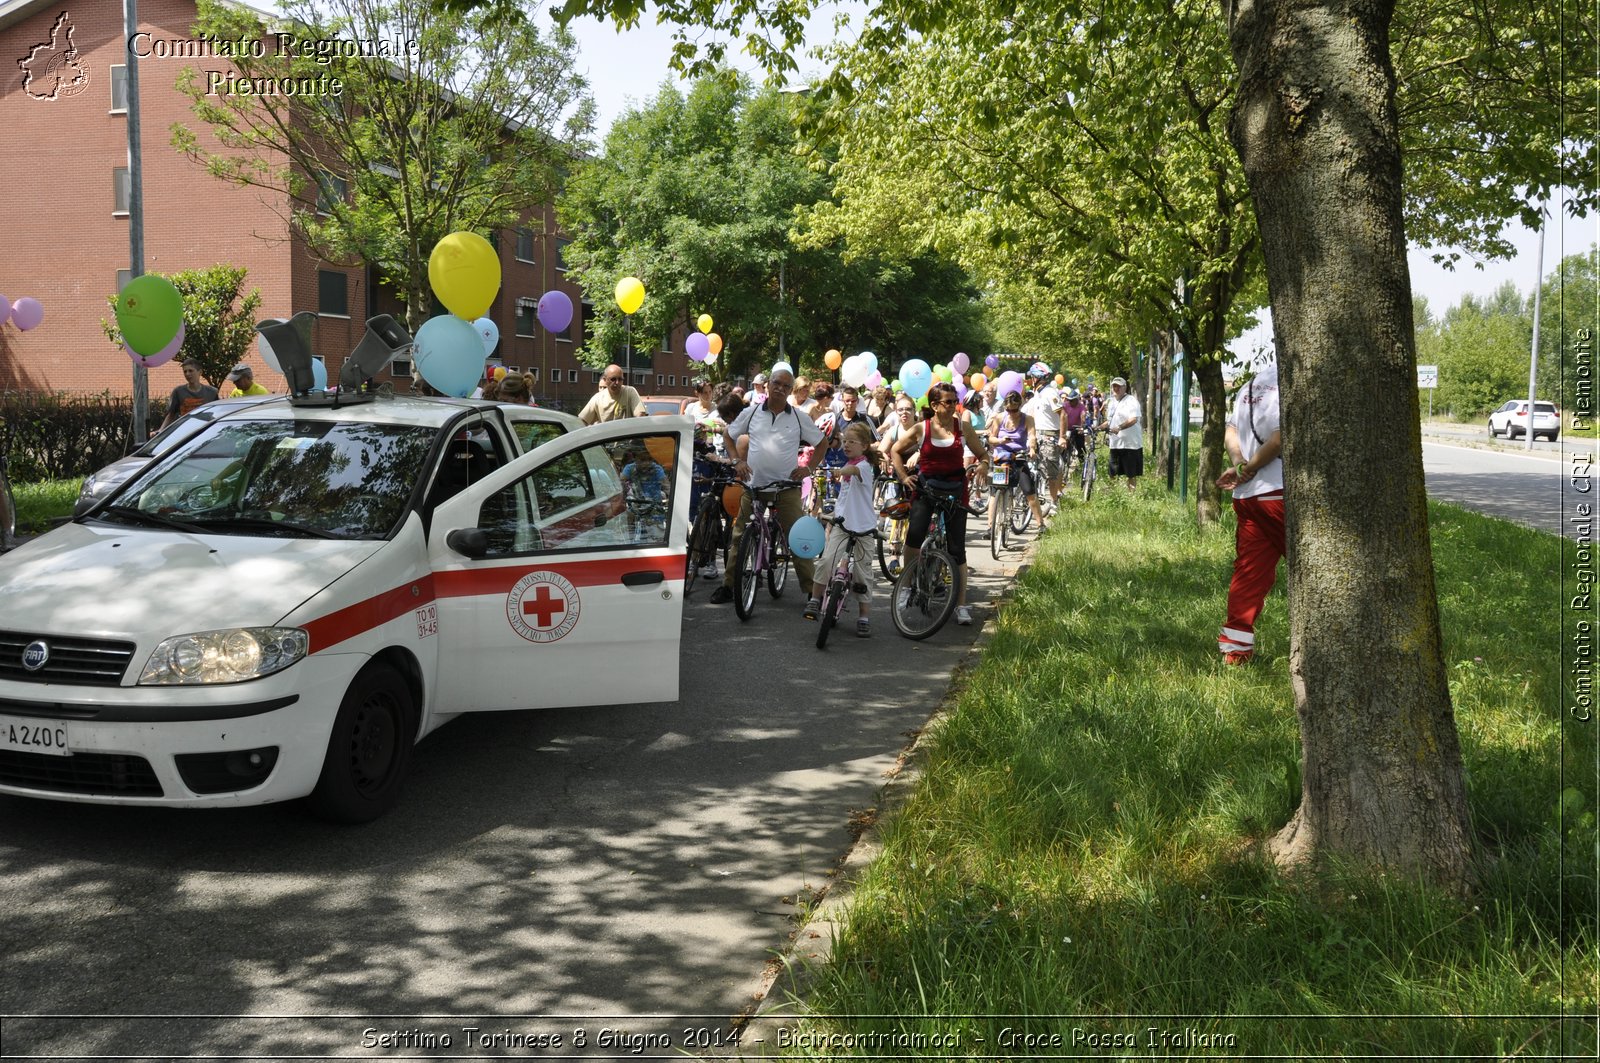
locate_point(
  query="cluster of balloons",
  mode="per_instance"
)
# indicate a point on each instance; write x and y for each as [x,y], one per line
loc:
[25,313]
[464,271]
[149,313]
[705,345]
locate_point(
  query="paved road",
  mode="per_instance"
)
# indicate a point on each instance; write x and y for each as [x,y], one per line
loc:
[633,861]
[1542,489]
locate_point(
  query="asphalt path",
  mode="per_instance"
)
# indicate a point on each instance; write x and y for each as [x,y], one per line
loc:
[631,869]
[1542,489]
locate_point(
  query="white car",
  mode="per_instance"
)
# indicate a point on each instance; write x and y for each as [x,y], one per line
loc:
[285,602]
[1511,420]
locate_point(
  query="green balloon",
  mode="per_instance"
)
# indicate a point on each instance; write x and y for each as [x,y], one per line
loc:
[149,311]
[896,386]
[942,372]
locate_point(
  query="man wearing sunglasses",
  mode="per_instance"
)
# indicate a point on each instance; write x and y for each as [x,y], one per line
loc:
[615,400]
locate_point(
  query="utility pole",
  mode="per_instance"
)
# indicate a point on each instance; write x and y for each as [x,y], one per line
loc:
[141,377]
[1533,359]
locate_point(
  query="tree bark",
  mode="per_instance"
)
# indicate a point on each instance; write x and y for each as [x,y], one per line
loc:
[1315,125]
[1213,423]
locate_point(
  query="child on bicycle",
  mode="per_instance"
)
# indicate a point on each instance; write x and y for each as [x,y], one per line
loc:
[856,510]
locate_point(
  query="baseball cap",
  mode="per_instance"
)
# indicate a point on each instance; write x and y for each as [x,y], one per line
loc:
[239,370]
[1118,380]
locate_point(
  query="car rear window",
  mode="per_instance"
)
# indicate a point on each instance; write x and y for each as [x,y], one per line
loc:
[1544,407]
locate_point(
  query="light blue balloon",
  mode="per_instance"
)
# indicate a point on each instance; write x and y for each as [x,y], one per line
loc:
[319,375]
[489,333]
[806,537]
[871,360]
[448,353]
[916,376]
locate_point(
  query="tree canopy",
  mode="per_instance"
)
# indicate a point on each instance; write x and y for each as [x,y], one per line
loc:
[696,194]
[467,130]
[219,318]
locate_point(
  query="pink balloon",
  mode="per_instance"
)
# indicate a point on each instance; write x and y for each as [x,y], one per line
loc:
[164,355]
[960,363]
[26,313]
[875,381]
[5,309]
[697,346]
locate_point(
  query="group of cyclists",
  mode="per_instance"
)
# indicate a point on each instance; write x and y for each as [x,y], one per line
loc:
[892,447]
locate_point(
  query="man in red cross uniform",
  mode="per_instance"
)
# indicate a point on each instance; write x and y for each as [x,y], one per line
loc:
[1254,441]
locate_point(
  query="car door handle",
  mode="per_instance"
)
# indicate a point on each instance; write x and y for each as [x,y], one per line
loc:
[642,579]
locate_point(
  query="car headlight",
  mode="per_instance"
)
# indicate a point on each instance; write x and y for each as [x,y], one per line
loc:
[232,655]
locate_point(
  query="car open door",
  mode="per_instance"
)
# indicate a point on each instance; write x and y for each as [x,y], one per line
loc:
[559,577]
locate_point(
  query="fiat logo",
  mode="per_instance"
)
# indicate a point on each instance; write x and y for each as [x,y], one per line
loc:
[36,655]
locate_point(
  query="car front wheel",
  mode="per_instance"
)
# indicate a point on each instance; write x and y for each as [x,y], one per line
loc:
[369,751]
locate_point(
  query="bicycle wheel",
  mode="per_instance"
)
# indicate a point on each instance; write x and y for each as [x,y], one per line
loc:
[925,594]
[778,563]
[885,531]
[832,606]
[1019,514]
[703,542]
[1088,477]
[746,576]
[997,526]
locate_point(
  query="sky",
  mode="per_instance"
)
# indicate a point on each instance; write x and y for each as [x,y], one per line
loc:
[628,68]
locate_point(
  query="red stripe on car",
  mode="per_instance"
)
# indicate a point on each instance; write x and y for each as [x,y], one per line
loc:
[357,619]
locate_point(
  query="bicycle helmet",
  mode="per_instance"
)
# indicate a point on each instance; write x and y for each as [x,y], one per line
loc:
[1038,369]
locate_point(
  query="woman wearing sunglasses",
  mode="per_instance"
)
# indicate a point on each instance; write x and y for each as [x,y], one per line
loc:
[936,440]
[1012,436]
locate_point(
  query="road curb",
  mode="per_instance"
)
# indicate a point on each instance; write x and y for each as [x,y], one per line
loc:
[790,976]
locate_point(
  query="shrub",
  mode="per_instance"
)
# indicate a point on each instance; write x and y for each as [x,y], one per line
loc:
[60,435]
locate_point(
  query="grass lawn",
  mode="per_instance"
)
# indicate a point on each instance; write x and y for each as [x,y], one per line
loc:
[1077,863]
[39,503]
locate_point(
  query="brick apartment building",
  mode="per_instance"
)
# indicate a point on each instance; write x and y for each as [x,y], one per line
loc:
[64,221]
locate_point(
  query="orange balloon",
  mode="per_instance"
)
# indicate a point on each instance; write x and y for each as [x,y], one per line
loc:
[1060,380]
[833,359]
[714,341]
[732,497]
[979,382]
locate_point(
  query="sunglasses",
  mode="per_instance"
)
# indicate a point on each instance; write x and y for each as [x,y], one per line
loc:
[944,402]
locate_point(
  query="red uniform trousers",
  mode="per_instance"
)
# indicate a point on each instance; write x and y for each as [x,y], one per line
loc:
[1258,544]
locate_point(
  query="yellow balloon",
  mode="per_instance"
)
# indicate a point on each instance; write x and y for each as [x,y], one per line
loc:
[499,372]
[715,343]
[978,381]
[832,359]
[464,271]
[630,294]
[705,322]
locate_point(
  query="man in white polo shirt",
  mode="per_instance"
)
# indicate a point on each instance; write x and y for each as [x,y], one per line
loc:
[776,431]
[1254,442]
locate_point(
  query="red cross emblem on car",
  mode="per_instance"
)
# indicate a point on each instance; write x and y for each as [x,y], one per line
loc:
[543,606]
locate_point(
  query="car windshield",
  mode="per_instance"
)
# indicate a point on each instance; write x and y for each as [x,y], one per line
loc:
[318,479]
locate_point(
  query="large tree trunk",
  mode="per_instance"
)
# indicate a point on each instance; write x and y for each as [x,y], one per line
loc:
[1314,123]
[1213,423]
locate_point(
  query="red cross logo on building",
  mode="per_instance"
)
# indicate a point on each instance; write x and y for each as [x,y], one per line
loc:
[544,607]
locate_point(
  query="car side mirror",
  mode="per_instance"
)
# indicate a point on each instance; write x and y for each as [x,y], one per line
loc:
[469,542]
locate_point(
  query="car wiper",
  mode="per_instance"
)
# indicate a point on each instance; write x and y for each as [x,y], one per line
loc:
[139,516]
[268,524]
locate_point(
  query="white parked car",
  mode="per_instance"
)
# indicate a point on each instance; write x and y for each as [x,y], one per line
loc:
[1511,420]
[285,602]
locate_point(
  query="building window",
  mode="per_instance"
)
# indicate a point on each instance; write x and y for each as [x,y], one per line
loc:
[594,376]
[121,190]
[330,190]
[332,293]
[400,367]
[561,253]
[533,374]
[572,376]
[123,277]
[119,89]
[666,342]
[661,380]
[527,310]
[583,326]
[524,245]
[672,380]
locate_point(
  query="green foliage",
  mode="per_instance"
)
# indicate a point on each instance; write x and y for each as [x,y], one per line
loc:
[1567,304]
[42,504]
[468,131]
[695,195]
[1481,348]
[60,435]
[218,318]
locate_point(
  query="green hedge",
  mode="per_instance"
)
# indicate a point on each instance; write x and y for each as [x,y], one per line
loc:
[61,435]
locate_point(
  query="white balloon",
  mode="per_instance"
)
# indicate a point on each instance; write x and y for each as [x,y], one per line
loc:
[855,371]
[265,348]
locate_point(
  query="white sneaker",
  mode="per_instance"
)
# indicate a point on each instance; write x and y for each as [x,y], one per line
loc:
[903,598]
[963,616]
[708,571]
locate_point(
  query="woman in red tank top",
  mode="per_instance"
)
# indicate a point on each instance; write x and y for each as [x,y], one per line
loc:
[937,440]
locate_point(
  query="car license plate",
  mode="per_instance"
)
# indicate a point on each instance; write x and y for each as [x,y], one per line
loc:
[35,736]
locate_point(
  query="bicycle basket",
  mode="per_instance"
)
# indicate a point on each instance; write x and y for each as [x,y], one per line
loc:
[1000,475]
[897,510]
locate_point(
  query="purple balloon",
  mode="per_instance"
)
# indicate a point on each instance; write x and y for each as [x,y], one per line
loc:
[961,363]
[697,346]
[992,362]
[161,357]
[555,311]
[26,313]
[1009,381]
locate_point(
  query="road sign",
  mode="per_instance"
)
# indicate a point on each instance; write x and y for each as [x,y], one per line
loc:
[1427,376]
